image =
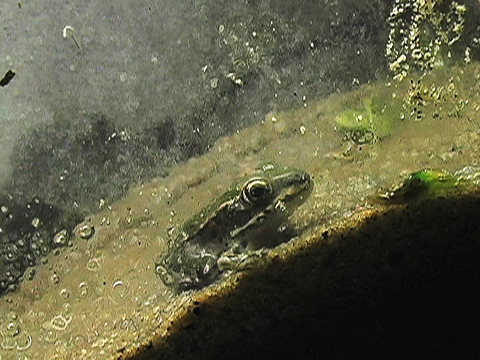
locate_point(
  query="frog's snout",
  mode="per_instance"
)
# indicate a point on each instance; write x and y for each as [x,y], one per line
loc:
[298,183]
[304,178]
[299,179]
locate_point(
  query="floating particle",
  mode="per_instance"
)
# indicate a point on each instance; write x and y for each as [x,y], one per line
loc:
[7,78]
[69,32]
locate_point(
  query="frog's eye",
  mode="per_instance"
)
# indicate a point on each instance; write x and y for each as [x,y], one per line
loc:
[256,191]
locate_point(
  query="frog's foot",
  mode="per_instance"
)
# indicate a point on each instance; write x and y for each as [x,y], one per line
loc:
[167,277]
[185,270]
[232,261]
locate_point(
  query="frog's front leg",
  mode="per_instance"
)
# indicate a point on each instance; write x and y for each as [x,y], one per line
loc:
[239,259]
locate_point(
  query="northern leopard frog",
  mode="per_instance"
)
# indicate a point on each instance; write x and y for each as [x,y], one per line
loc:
[235,228]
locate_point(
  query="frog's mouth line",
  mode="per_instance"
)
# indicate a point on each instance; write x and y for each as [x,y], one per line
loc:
[298,188]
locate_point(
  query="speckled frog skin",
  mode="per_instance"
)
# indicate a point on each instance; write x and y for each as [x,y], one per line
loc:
[235,227]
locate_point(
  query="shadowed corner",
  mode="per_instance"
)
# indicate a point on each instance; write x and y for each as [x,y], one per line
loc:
[398,281]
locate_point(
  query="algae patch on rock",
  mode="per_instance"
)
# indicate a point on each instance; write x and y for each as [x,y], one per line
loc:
[371,114]
[433,183]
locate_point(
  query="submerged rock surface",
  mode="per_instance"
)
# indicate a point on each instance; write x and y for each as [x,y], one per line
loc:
[361,270]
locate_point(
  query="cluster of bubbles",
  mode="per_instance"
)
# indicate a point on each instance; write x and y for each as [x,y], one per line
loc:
[27,234]
[14,336]
[427,34]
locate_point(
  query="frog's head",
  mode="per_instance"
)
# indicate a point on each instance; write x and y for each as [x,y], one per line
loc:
[266,200]
[284,188]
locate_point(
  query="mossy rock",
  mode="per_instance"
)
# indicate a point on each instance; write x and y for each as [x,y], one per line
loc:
[429,184]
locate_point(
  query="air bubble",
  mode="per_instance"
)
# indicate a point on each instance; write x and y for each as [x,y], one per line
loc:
[13,336]
[60,238]
[55,279]
[80,341]
[50,336]
[12,329]
[11,252]
[120,290]
[30,274]
[36,222]
[25,342]
[93,265]
[85,231]
[64,293]
[83,288]
[59,322]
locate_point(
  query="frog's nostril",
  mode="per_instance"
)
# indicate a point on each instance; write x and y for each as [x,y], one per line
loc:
[304,178]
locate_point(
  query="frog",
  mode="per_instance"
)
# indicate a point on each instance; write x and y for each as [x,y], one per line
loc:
[233,231]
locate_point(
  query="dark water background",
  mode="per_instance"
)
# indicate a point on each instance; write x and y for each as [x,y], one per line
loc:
[151,84]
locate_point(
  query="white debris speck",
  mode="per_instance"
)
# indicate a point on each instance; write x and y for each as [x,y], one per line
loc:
[214,83]
[68,31]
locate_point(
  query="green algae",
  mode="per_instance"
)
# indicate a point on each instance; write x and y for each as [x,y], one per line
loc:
[433,183]
[375,118]
[427,183]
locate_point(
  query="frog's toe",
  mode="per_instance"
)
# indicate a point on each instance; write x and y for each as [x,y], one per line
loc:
[164,275]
